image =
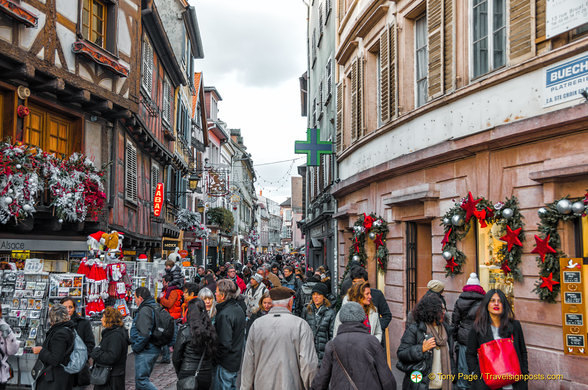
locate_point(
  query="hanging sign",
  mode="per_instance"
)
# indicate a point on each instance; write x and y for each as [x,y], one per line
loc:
[313,147]
[218,183]
[573,305]
[158,200]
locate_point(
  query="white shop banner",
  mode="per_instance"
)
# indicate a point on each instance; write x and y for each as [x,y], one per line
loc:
[565,81]
[564,15]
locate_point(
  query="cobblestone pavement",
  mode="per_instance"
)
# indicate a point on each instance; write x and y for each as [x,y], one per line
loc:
[163,375]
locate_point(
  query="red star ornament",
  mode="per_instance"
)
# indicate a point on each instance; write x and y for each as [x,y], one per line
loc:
[512,237]
[451,264]
[505,268]
[445,239]
[378,241]
[470,206]
[548,282]
[543,247]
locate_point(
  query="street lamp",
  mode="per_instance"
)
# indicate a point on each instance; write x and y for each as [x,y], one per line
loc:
[193,181]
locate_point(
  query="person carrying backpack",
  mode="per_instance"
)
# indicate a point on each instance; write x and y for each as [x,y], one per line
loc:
[171,300]
[55,352]
[142,342]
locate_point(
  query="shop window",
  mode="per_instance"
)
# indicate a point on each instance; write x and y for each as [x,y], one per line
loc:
[98,23]
[489,261]
[49,131]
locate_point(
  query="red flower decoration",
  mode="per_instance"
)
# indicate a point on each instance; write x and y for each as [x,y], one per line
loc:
[470,206]
[451,264]
[368,220]
[548,282]
[512,237]
[445,239]
[543,247]
[481,216]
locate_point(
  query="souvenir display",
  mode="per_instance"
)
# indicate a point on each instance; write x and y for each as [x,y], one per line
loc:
[63,285]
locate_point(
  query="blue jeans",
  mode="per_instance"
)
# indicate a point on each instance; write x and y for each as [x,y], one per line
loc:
[144,363]
[224,379]
[462,367]
[165,348]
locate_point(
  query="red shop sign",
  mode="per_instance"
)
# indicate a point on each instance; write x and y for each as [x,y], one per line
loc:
[158,199]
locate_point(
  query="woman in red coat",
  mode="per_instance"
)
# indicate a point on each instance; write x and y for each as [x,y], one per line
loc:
[172,301]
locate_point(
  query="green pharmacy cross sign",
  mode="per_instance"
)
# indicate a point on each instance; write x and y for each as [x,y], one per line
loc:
[313,147]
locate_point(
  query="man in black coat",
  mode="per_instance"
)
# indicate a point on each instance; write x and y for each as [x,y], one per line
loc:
[360,275]
[354,355]
[230,329]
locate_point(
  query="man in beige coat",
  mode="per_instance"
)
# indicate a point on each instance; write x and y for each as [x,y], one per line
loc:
[280,350]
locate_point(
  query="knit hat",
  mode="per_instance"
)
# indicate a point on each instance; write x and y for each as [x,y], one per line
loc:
[258,278]
[351,312]
[142,257]
[436,285]
[320,288]
[280,293]
[473,280]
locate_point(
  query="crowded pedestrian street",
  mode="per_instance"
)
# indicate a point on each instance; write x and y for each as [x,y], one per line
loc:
[293,194]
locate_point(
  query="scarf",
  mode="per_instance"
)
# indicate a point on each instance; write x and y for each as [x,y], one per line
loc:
[442,343]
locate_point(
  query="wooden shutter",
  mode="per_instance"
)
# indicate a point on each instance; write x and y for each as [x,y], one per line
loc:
[354,109]
[385,76]
[393,65]
[360,87]
[131,173]
[521,29]
[449,46]
[540,27]
[147,77]
[435,47]
[154,179]
[339,140]
[340,10]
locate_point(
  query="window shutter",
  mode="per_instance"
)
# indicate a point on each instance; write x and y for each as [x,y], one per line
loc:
[339,140]
[360,70]
[154,179]
[320,19]
[328,7]
[435,46]
[385,76]
[166,102]
[354,108]
[170,98]
[147,79]
[131,173]
[393,78]
[311,170]
[540,32]
[321,97]
[329,78]
[449,46]
[521,29]
[341,10]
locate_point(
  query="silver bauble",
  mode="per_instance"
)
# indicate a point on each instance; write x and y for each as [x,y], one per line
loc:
[447,255]
[507,213]
[542,211]
[457,220]
[446,221]
[7,200]
[372,236]
[578,207]
[27,207]
[564,206]
[355,258]
[10,190]
[18,166]
[60,220]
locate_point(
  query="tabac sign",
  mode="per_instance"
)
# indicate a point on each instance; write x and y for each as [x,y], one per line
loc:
[158,199]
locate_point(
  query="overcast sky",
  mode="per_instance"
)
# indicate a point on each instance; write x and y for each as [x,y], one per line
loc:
[254,53]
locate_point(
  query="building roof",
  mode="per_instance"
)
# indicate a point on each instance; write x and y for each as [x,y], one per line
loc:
[197,78]
[213,89]
[287,203]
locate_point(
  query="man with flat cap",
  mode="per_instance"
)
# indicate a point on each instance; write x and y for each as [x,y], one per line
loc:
[280,350]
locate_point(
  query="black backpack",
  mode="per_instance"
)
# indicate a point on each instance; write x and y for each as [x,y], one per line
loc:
[163,327]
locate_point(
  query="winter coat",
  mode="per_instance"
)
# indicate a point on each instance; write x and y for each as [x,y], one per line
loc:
[186,356]
[374,318]
[240,284]
[230,328]
[464,312]
[252,297]
[410,352]
[279,354]
[8,347]
[177,276]
[185,309]
[172,301]
[363,358]
[322,323]
[55,353]
[475,340]
[258,314]
[112,352]
[142,327]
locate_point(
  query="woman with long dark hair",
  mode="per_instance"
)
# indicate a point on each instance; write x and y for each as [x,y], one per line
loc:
[495,320]
[427,346]
[362,294]
[321,318]
[196,341]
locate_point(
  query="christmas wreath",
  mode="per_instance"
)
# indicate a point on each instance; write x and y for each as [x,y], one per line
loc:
[548,248]
[376,229]
[507,226]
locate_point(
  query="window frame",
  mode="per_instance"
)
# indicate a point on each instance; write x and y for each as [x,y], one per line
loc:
[490,35]
[110,27]
[147,57]
[425,79]
[167,102]
[131,185]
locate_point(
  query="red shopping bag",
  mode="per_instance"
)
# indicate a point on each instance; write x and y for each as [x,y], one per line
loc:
[499,363]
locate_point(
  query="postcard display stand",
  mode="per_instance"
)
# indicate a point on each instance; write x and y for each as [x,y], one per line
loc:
[24,308]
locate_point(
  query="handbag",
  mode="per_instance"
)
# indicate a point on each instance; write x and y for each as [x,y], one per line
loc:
[344,370]
[499,363]
[99,375]
[410,367]
[38,368]
[191,382]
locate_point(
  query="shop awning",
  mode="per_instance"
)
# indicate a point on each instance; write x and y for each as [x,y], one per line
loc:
[19,244]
